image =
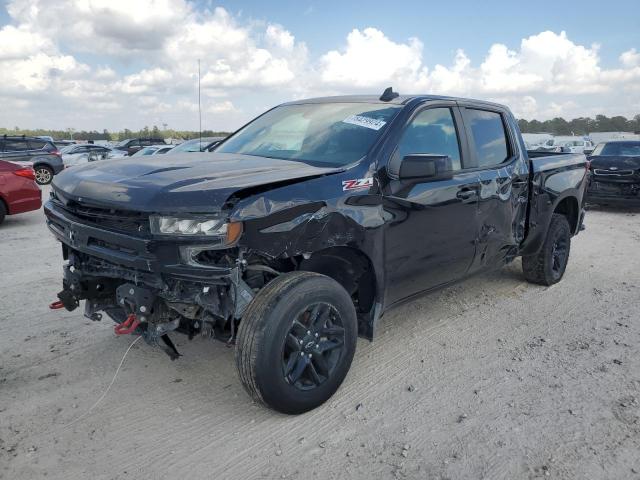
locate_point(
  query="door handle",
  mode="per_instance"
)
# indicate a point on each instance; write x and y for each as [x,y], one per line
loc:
[519,183]
[466,194]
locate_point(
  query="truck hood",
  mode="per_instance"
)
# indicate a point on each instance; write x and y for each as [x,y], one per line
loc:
[189,182]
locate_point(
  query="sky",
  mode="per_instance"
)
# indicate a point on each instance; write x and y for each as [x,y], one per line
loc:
[96,64]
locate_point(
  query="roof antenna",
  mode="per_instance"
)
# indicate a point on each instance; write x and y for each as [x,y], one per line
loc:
[199,111]
[389,95]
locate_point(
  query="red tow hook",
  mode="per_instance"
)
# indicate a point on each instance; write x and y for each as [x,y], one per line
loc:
[56,305]
[128,326]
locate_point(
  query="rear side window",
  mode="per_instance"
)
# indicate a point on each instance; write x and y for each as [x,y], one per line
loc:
[15,145]
[36,144]
[432,131]
[489,136]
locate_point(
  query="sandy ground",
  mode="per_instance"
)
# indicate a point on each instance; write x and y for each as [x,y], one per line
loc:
[492,378]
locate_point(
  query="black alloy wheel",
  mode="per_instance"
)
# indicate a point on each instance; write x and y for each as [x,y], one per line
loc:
[548,265]
[313,346]
[296,341]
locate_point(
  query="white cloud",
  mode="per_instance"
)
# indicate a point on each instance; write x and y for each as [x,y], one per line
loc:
[371,59]
[139,65]
[279,37]
[630,58]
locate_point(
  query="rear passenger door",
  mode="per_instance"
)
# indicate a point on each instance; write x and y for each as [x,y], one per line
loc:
[430,239]
[503,171]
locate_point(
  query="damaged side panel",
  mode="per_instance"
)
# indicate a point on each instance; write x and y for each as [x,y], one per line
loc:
[288,224]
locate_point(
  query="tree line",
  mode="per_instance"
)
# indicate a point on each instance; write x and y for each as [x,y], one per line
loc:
[581,125]
[555,126]
[146,132]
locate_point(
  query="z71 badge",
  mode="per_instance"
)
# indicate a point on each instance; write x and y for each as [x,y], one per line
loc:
[357,184]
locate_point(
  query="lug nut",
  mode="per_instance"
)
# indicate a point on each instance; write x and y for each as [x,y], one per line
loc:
[301,354]
[143,309]
[310,355]
[300,342]
[308,332]
[316,335]
[131,291]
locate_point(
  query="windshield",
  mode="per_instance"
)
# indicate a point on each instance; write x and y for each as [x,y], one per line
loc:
[145,151]
[67,149]
[190,146]
[323,133]
[619,149]
[122,143]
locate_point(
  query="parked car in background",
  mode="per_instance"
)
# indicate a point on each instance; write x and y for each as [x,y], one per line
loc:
[63,143]
[197,145]
[132,145]
[577,146]
[43,155]
[615,173]
[19,192]
[86,152]
[152,150]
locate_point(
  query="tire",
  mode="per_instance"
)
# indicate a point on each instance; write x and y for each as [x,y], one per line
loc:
[548,265]
[277,341]
[44,174]
[3,211]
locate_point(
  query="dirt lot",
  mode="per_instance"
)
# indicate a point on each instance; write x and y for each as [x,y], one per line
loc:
[492,378]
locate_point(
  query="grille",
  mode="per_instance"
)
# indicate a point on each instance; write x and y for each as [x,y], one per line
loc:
[130,222]
[613,173]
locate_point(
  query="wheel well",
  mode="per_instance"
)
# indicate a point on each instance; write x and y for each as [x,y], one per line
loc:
[351,268]
[42,164]
[569,208]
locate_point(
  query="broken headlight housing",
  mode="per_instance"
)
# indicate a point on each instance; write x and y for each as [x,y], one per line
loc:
[226,232]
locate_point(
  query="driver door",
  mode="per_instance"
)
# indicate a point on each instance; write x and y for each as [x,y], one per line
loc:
[431,239]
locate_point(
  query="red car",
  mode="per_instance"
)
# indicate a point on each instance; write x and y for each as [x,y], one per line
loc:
[19,192]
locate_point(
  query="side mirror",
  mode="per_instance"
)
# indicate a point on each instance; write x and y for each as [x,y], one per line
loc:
[588,151]
[418,166]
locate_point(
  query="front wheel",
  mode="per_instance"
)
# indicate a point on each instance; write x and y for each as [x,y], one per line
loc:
[44,174]
[548,265]
[296,342]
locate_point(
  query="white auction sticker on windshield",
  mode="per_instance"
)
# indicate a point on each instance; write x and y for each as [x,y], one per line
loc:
[365,122]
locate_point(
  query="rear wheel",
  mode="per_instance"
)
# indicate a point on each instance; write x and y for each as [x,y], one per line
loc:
[3,211]
[44,174]
[296,342]
[548,265]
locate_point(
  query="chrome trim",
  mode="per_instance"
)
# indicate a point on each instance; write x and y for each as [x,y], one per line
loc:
[613,173]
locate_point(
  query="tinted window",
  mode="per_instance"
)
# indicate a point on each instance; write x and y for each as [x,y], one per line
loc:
[36,144]
[489,137]
[15,145]
[432,131]
[322,133]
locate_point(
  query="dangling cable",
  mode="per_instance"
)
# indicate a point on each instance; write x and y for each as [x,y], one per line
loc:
[108,388]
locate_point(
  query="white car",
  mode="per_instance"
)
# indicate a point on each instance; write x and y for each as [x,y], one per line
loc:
[578,146]
[87,152]
[152,150]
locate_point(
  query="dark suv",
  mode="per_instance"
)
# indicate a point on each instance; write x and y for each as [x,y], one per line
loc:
[42,154]
[132,145]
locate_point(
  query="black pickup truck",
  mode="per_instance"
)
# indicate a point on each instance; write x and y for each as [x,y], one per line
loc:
[303,227]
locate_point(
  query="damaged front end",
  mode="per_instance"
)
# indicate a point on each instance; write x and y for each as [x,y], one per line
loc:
[149,283]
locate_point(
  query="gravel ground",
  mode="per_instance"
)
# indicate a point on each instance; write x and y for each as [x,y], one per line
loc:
[491,378]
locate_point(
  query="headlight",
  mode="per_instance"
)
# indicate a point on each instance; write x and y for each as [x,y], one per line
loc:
[200,227]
